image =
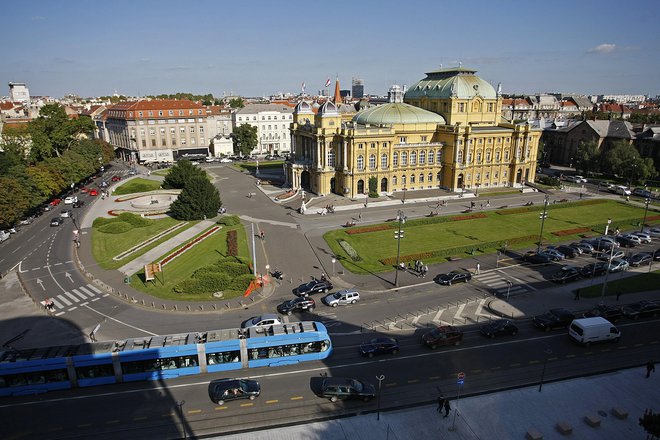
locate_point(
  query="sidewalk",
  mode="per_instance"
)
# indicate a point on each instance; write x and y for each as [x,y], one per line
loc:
[504,415]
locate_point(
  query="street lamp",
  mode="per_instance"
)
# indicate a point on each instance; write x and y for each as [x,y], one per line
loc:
[607,228]
[542,215]
[398,235]
[646,209]
[380,379]
[334,260]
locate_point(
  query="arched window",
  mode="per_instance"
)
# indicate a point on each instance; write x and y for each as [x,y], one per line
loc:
[438,158]
[430,177]
[518,153]
[393,180]
[506,155]
[469,157]
[403,181]
[383,161]
[404,159]
[412,179]
[372,161]
[360,163]
[395,159]
[331,158]
[439,177]
[459,159]
[422,157]
[488,156]
[479,157]
[421,178]
[413,157]
[430,156]
[497,156]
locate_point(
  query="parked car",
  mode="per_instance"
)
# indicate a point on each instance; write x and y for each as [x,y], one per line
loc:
[656,255]
[379,346]
[611,313]
[594,269]
[568,251]
[641,192]
[312,287]
[261,320]
[70,200]
[585,247]
[4,235]
[84,189]
[554,254]
[338,388]
[455,276]
[442,335]
[605,256]
[640,259]
[554,319]
[534,258]
[56,221]
[26,221]
[644,237]
[224,390]
[343,297]
[303,303]
[626,241]
[47,207]
[653,232]
[499,327]
[566,274]
[225,160]
[55,202]
[642,309]
[580,179]
[637,239]
[93,192]
[79,204]
[618,265]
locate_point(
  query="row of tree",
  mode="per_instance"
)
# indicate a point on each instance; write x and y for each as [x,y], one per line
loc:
[622,160]
[42,160]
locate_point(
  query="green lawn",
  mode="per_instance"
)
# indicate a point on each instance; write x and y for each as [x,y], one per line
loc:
[105,246]
[434,242]
[252,166]
[639,283]
[183,266]
[163,172]
[137,185]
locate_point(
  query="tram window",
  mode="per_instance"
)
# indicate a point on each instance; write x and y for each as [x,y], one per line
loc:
[159,364]
[93,371]
[222,358]
[17,380]
[288,350]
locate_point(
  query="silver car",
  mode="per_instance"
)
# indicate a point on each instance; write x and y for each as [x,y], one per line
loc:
[644,237]
[343,297]
[618,265]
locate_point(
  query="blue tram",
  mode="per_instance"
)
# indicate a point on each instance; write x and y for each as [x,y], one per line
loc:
[38,370]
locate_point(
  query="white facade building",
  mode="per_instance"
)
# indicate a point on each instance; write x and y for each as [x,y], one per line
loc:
[18,92]
[272,122]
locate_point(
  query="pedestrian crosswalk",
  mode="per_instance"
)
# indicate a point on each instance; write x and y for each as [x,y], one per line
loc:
[71,300]
[500,285]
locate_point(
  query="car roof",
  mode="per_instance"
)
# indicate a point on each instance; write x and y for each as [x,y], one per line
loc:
[337,381]
[224,383]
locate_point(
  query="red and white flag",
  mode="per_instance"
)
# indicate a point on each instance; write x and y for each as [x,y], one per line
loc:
[327,82]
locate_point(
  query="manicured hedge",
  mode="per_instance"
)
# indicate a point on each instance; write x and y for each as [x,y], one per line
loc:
[133,220]
[229,220]
[228,273]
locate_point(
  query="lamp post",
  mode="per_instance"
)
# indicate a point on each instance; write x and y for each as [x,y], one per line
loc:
[607,273]
[398,235]
[380,379]
[646,209]
[334,260]
[542,215]
[404,195]
[632,168]
[547,352]
[607,228]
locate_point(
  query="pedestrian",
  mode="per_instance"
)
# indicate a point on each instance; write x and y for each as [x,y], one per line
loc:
[478,268]
[441,404]
[262,235]
[650,367]
[249,195]
[488,203]
[577,295]
[618,295]
[425,270]
[447,408]
[580,196]
[359,216]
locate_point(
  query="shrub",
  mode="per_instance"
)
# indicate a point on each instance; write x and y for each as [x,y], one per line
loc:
[241,282]
[548,180]
[115,228]
[229,220]
[349,250]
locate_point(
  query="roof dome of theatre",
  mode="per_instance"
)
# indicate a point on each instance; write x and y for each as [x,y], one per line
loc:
[396,112]
[303,107]
[455,82]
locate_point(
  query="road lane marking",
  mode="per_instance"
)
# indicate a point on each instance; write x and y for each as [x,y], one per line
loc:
[64,300]
[413,381]
[84,304]
[120,322]
[248,404]
[73,308]
[136,419]
[297,398]
[78,293]
[84,425]
[458,313]
[86,291]
[94,288]
[71,296]
[272,401]
[95,299]
[194,411]
[111,422]
[219,408]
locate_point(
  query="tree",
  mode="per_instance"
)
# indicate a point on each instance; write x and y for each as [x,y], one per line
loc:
[373,187]
[237,103]
[651,423]
[245,139]
[198,200]
[624,160]
[53,133]
[181,173]
[14,201]
[588,157]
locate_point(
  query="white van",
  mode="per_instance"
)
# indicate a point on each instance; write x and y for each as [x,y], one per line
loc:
[597,329]
[622,190]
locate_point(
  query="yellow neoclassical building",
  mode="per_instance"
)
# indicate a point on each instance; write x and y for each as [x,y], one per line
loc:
[445,131]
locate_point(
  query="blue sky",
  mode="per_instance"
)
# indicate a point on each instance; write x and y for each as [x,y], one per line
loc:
[255,48]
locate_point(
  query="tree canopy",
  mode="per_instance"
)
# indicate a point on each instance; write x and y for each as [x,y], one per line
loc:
[181,173]
[198,200]
[245,139]
[624,160]
[587,157]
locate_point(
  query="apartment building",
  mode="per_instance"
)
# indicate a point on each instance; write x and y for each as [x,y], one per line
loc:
[272,122]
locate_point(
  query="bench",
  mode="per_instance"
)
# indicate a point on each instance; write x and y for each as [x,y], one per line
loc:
[533,434]
[592,420]
[564,428]
[620,413]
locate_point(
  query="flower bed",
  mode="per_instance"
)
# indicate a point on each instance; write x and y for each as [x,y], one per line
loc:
[570,232]
[188,245]
[232,243]
[115,213]
[365,229]
[653,217]
[456,218]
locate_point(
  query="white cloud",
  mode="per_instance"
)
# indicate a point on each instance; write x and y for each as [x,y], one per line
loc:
[603,48]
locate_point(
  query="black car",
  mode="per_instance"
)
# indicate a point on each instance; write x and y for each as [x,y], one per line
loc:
[625,241]
[455,276]
[640,259]
[223,390]
[312,287]
[56,221]
[568,251]
[336,388]
[611,313]
[379,346]
[499,327]
[555,318]
[78,203]
[296,305]
[641,309]
[566,274]
[534,258]
[442,335]
[594,269]
[656,255]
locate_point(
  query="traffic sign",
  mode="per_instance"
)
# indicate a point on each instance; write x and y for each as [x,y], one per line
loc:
[461,376]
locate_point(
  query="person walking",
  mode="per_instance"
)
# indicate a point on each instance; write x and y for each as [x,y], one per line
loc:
[650,367]
[262,235]
[441,404]
[447,408]
[577,295]
[618,294]
[478,269]
[360,217]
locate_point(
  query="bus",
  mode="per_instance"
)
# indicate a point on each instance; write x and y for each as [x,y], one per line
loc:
[39,370]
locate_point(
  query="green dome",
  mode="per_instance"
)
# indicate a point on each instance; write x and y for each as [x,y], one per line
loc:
[457,82]
[397,113]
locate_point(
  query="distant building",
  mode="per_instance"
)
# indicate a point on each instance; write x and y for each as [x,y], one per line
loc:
[357,89]
[622,99]
[18,92]
[272,122]
[648,143]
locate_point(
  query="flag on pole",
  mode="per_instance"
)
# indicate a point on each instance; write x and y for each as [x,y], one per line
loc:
[303,86]
[327,82]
